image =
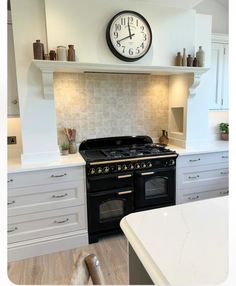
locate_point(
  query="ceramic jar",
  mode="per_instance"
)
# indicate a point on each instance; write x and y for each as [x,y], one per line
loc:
[71,53]
[184,60]
[61,53]
[164,138]
[200,55]
[38,50]
[72,147]
[178,59]
[52,55]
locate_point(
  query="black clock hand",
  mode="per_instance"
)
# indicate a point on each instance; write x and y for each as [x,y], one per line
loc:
[129,31]
[125,38]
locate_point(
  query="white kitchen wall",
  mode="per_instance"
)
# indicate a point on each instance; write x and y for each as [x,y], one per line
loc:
[103,105]
[83,23]
[219,12]
[14,129]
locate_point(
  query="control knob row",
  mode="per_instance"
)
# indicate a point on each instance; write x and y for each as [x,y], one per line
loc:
[99,170]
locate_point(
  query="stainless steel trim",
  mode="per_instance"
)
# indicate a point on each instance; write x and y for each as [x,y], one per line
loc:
[125,192]
[59,196]
[58,176]
[133,159]
[147,173]
[124,176]
[61,221]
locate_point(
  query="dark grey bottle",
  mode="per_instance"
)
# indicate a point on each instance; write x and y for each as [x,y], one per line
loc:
[38,50]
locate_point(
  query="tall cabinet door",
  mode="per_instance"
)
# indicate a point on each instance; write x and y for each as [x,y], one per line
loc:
[218,77]
[12,93]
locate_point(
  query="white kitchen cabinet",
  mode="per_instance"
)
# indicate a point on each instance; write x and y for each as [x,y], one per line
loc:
[46,211]
[218,75]
[13,102]
[201,176]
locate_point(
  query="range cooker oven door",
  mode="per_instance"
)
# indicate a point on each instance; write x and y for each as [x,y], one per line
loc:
[154,188]
[107,208]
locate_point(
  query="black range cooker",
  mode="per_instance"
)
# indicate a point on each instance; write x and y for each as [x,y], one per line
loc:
[125,174]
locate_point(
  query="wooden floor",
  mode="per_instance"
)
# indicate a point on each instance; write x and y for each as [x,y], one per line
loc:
[56,268]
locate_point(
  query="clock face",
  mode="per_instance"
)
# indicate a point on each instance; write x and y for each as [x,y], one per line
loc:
[129,36]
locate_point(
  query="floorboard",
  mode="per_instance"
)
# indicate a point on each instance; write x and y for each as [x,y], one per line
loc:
[56,268]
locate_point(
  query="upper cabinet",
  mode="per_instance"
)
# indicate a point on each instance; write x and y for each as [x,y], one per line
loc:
[218,74]
[13,102]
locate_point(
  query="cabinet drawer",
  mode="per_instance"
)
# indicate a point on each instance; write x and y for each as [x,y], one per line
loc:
[59,175]
[45,198]
[25,227]
[205,195]
[202,159]
[202,177]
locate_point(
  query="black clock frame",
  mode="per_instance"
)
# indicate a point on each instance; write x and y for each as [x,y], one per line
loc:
[110,45]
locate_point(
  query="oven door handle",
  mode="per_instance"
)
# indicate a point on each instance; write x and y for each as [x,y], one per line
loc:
[124,193]
[124,176]
[147,173]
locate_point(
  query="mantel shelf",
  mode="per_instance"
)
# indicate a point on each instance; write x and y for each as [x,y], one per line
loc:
[49,67]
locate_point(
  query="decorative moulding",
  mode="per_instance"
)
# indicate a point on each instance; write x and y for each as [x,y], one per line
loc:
[49,67]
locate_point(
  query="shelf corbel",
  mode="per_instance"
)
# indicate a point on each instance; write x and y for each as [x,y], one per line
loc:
[196,82]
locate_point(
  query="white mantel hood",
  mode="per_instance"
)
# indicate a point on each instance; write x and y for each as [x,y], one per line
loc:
[184,4]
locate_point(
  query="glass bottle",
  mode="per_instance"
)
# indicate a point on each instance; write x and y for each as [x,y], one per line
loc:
[71,53]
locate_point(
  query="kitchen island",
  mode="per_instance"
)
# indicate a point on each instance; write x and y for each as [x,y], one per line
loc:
[179,245]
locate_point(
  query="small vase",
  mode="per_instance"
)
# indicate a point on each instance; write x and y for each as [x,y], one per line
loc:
[71,53]
[189,61]
[200,55]
[72,147]
[195,62]
[184,60]
[164,138]
[178,59]
[224,136]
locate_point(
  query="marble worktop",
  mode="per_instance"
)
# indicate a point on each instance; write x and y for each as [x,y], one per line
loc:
[72,160]
[184,244]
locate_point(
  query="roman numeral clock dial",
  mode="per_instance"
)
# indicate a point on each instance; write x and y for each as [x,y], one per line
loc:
[129,36]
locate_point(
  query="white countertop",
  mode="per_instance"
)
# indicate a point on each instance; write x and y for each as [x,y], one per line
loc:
[184,244]
[214,146]
[73,160]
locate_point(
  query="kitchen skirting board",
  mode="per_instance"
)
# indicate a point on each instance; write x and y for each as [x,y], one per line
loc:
[37,247]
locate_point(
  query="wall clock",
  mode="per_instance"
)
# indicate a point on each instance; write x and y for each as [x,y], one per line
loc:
[129,36]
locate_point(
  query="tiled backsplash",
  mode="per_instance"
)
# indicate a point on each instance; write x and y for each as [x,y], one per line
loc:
[103,105]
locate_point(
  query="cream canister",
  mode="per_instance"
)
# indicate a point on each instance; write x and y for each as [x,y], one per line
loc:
[61,53]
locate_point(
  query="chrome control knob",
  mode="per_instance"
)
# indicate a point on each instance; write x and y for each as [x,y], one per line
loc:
[137,166]
[118,167]
[106,169]
[149,164]
[130,166]
[92,171]
[99,170]
[143,165]
[124,167]
[171,162]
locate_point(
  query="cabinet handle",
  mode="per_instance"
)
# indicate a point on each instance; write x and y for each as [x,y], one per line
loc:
[15,101]
[124,176]
[10,181]
[224,157]
[147,174]
[125,192]
[224,193]
[193,198]
[58,176]
[13,229]
[194,177]
[194,160]
[61,221]
[59,196]
[11,203]
[224,173]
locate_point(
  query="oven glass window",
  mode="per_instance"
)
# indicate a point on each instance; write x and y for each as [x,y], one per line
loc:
[156,187]
[111,209]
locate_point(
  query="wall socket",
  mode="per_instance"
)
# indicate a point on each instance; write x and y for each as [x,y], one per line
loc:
[11,140]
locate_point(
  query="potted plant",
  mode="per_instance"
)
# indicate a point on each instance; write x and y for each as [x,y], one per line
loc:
[224,131]
[65,149]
